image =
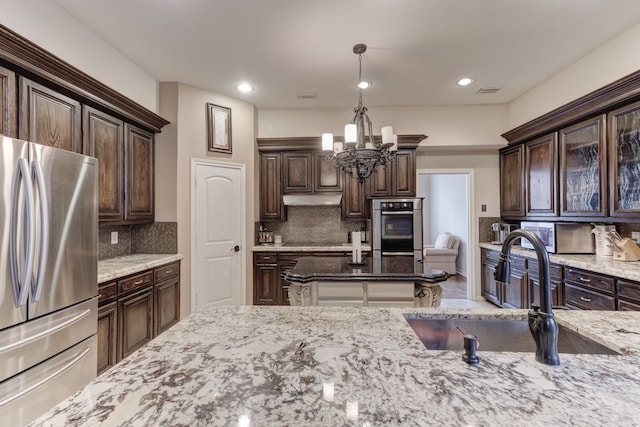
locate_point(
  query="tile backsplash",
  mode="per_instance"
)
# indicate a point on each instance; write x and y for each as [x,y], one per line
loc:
[156,238]
[315,225]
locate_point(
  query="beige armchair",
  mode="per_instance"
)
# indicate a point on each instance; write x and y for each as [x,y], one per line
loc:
[442,255]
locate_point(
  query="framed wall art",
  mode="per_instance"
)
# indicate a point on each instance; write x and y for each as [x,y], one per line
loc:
[219,128]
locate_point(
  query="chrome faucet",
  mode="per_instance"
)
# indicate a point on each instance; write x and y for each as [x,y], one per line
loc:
[542,324]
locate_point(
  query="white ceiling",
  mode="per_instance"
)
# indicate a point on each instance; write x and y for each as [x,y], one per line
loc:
[417,50]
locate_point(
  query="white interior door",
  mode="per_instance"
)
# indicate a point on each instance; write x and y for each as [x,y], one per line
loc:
[218,218]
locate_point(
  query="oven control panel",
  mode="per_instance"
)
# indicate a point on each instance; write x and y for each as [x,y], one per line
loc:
[397,205]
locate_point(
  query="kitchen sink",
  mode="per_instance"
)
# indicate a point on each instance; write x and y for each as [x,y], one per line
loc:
[497,335]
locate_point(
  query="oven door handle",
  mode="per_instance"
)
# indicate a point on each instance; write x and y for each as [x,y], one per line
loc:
[396,212]
[396,253]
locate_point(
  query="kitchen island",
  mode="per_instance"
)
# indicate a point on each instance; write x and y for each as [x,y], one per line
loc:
[376,282]
[337,366]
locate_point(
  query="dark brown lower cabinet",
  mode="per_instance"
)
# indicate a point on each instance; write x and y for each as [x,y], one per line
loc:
[135,309]
[586,290]
[167,304]
[508,295]
[135,325]
[266,281]
[628,295]
[107,336]
[269,288]
[557,288]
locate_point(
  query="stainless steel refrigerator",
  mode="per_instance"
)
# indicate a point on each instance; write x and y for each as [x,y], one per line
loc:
[48,277]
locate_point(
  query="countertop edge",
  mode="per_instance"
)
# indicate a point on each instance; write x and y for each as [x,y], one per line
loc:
[308,248]
[113,268]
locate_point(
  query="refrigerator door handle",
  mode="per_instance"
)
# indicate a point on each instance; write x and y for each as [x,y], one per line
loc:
[76,359]
[21,279]
[38,280]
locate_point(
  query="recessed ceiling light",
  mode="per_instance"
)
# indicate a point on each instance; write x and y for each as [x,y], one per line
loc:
[364,84]
[465,81]
[244,87]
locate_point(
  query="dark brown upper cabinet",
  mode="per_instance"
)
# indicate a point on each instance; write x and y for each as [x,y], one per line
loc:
[8,103]
[271,207]
[583,166]
[397,179]
[297,172]
[327,177]
[353,199]
[139,175]
[104,139]
[541,165]
[624,166]
[309,172]
[48,117]
[512,193]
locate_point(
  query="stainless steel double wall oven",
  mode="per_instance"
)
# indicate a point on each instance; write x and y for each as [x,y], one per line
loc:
[396,226]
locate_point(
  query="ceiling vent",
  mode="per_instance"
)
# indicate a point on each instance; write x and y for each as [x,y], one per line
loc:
[488,90]
[306,95]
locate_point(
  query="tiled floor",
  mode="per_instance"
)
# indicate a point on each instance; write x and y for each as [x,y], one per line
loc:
[454,294]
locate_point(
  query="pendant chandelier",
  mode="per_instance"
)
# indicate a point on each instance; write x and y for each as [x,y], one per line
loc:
[361,153]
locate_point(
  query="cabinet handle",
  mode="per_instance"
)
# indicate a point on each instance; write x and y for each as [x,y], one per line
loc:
[137,282]
[168,271]
[584,279]
[585,299]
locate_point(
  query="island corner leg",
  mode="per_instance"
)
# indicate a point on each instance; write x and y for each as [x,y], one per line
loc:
[428,294]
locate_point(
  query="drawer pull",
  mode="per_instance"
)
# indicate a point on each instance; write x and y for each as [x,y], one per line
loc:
[137,282]
[584,279]
[585,299]
[168,271]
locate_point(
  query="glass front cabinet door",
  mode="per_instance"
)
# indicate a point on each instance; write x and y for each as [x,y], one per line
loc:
[624,153]
[583,190]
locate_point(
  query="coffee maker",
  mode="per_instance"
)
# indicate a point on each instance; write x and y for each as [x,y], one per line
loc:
[500,232]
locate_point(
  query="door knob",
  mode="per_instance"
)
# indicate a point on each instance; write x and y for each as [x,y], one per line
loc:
[236,248]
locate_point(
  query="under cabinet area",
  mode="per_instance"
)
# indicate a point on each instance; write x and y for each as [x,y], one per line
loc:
[133,310]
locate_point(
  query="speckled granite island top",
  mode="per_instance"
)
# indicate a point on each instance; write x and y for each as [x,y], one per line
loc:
[113,268]
[400,268]
[334,366]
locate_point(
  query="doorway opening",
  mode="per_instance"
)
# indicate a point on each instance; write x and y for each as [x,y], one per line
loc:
[447,207]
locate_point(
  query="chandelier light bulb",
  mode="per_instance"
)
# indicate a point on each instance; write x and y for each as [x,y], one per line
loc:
[387,135]
[350,133]
[327,142]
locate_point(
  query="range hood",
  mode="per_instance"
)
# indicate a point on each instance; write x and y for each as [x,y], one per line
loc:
[332,199]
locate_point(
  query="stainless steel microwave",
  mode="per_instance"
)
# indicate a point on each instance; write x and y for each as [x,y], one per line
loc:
[561,237]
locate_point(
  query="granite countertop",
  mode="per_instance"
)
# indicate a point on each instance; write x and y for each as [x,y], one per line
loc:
[113,268]
[605,265]
[400,268]
[338,366]
[312,247]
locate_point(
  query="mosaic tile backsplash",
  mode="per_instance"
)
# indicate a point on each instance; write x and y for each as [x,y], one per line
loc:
[314,225]
[156,238]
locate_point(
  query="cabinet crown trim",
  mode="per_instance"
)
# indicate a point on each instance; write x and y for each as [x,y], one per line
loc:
[622,91]
[314,143]
[32,60]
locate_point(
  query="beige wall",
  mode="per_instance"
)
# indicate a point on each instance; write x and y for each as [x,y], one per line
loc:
[611,61]
[49,26]
[187,105]
[446,126]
